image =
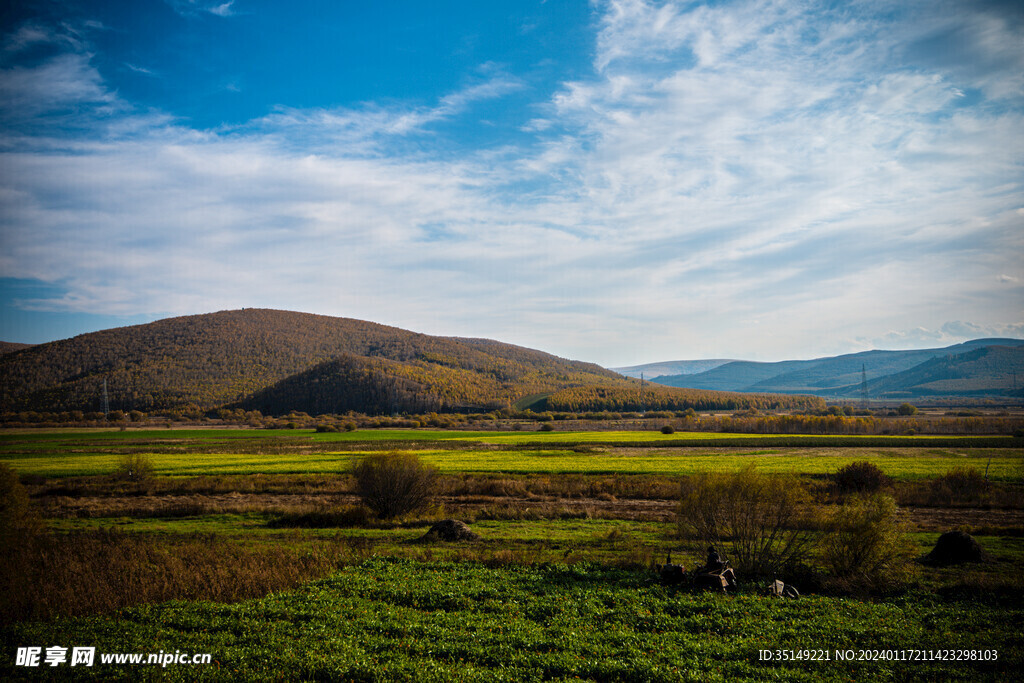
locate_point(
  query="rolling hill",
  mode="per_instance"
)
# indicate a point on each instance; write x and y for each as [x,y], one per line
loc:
[975,368]
[278,361]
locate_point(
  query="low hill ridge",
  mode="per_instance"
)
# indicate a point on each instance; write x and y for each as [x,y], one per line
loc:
[278,361]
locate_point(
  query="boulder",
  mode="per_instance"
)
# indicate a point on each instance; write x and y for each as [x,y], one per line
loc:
[451,530]
[956,547]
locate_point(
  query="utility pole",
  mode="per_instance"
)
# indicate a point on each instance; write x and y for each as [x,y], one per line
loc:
[643,404]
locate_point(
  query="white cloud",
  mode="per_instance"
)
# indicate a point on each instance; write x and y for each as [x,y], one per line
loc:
[755,179]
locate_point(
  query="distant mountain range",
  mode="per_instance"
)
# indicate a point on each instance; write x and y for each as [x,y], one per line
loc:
[983,367]
[672,367]
[280,361]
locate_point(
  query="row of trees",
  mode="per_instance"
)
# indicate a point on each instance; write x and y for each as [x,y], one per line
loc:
[659,398]
[503,418]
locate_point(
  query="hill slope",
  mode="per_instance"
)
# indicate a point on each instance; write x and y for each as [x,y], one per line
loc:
[889,373]
[10,347]
[986,371]
[217,358]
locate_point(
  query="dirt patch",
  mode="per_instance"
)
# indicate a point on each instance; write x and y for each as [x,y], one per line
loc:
[976,519]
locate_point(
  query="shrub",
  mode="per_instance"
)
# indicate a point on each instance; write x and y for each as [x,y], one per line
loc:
[960,485]
[668,429]
[865,545]
[17,522]
[134,467]
[394,484]
[906,409]
[860,477]
[762,514]
[546,427]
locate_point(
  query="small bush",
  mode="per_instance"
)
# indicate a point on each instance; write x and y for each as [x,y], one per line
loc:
[546,427]
[906,410]
[865,545]
[394,484]
[134,467]
[960,485]
[668,429]
[17,521]
[860,477]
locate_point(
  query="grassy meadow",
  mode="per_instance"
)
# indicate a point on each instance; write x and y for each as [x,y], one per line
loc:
[250,545]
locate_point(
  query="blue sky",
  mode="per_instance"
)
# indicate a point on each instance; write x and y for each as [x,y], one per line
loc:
[613,181]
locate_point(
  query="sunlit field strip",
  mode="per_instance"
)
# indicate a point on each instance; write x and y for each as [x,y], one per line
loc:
[899,463]
[85,436]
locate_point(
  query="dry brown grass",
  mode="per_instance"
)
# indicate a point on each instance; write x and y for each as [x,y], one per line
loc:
[102,571]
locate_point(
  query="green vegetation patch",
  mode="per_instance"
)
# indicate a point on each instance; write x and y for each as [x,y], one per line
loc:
[411,621]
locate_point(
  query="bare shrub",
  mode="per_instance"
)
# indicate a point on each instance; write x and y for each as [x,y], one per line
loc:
[866,545]
[394,484]
[766,517]
[960,485]
[134,467]
[860,477]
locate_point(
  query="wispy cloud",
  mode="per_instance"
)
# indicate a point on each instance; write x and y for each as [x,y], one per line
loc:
[366,129]
[196,7]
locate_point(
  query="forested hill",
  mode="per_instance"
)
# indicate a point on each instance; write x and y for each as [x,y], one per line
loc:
[218,358]
[278,361]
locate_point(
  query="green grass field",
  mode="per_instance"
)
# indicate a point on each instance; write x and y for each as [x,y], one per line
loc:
[551,595]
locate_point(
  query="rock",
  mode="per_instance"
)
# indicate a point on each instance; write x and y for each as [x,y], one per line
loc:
[451,530]
[956,547]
